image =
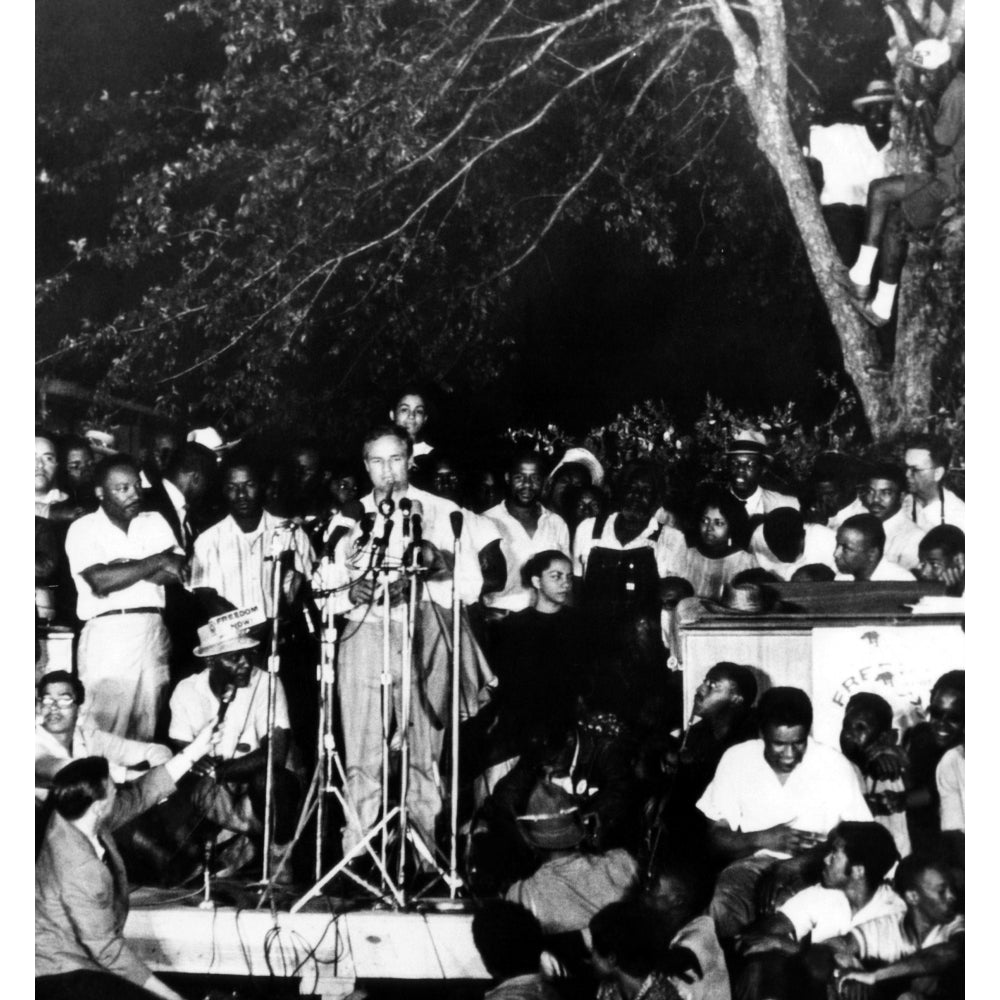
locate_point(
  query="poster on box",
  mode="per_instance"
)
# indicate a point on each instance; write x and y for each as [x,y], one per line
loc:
[899,663]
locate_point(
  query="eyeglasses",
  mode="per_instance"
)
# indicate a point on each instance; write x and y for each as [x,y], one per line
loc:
[913,469]
[60,700]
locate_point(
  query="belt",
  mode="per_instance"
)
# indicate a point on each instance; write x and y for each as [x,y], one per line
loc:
[131,611]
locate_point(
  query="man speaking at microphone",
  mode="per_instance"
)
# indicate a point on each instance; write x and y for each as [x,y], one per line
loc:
[427,517]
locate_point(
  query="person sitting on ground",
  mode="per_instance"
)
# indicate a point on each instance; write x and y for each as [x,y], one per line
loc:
[785,543]
[60,737]
[925,744]
[747,457]
[942,558]
[882,495]
[929,503]
[231,784]
[678,893]
[509,941]
[913,199]
[771,807]
[721,717]
[920,950]
[541,663]
[869,741]
[627,953]
[851,891]
[570,885]
[716,550]
[81,889]
[859,552]
[526,528]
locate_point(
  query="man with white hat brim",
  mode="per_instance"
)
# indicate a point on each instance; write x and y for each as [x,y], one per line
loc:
[916,199]
[232,786]
[746,458]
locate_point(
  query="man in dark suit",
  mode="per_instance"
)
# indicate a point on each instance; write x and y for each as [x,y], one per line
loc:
[177,496]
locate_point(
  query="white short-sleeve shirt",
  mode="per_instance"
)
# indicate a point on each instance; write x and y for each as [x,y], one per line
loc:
[94,540]
[194,704]
[887,940]
[820,793]
[826,913]
[950,779]
[518,547]
[820,543]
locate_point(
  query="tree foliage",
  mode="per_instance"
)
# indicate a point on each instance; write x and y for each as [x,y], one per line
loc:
[351,190]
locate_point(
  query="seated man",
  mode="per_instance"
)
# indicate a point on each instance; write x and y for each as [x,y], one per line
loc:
[882,494]
[920,950]
[232,782]
[859,552]
[60,737]
[721,717]
[509,941]
[942,557]
[868,741]
[926,744]
[785,543]
[851,891]
[914,199]
[570,886]
[771,807]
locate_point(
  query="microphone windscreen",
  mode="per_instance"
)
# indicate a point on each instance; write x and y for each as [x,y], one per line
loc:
[405,505]
[367,527]
[456,517]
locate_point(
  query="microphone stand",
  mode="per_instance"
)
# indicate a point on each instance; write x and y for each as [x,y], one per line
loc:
[277,550]
[456,680]
[406,675]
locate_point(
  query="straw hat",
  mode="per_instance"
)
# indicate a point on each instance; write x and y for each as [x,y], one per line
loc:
[227,633]
[581,456]
[743,599]
[748,442]
[877,92]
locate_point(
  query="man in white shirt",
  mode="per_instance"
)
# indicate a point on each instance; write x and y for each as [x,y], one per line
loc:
[120,559]
[526,528]
[928,940]
[232,785]
[372,558]
[784,543]
[60,737]
[771,806]
[929,503]
[238,557]
[882,495]
[746,457]
[858,555]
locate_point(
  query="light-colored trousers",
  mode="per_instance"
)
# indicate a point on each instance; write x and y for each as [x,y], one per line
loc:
[122,661]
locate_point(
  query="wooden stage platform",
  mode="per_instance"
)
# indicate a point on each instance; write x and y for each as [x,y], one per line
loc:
[328,946]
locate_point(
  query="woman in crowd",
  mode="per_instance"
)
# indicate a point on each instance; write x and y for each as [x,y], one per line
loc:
[717,549]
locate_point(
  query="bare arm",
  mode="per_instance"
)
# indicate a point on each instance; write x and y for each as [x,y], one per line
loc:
[107,578]
[926,962]
[730,843]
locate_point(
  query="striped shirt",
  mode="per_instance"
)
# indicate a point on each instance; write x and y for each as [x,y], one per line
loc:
[236,564]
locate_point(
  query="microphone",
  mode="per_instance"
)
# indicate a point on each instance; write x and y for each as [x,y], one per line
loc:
[417,525]
[406,506]
[334,540]
[456,517]
[226,699]
[367,527]
[382,545]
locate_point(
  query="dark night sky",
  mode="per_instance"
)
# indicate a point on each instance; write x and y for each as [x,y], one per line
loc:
[598,324]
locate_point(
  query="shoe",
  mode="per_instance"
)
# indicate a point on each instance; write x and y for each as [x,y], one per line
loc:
[870,316]
[859,292]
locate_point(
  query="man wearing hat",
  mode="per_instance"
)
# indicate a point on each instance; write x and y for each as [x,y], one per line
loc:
[232,784]
[913,199]
[570,886]
[746,457]
[852,155]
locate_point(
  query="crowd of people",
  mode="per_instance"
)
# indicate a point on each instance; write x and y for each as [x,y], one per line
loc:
[719,853]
